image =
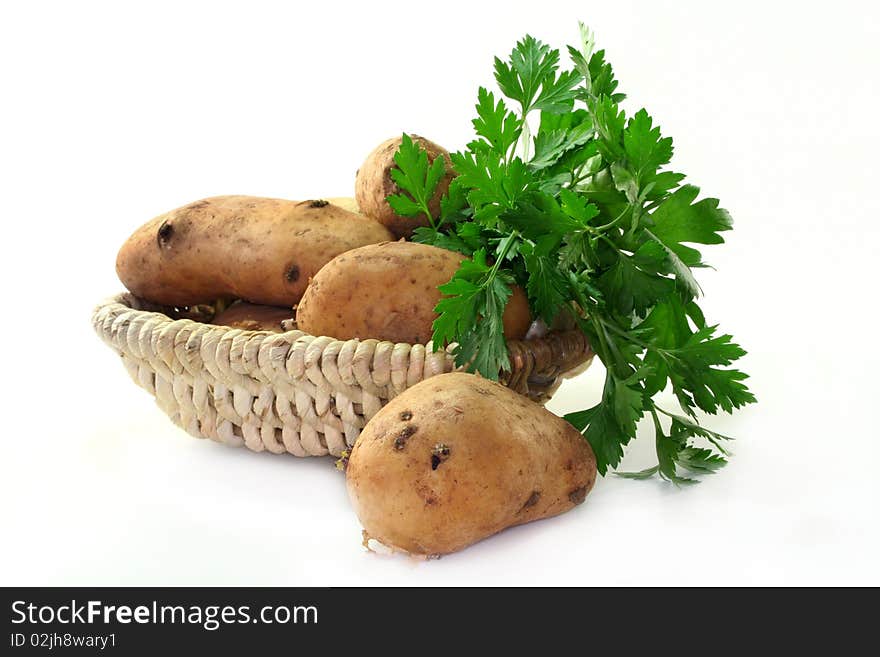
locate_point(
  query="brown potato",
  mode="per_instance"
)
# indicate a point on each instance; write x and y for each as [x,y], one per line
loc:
[253,317]
[260,249]
[457,458]
[346,203]
[388,292]
[373,183]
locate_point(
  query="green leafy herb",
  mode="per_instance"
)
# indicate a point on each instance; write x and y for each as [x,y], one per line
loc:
[585,216]
[414,175]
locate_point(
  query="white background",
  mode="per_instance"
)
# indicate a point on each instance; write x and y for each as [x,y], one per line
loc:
[112,114]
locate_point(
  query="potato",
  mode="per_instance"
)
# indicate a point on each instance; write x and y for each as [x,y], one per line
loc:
[388,292]
[346,203]
[373,183]
[260,249]
[457,458]
[253,317]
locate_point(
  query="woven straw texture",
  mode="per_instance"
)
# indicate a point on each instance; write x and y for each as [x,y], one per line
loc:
[292,392]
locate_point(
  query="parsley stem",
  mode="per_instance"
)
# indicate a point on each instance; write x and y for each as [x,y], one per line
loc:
[427,212]
[658,434]
[654,205]
[616,364]
[610,243]
[525,137]
[605,356]
[577,178]
[666,413]
[657,426]
[623,334]
[613,222]
[505,247]
[626,336]
[665,354]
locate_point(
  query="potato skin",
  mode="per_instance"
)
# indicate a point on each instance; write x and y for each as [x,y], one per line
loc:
[388,292]
[373,183]
[457,458]
[253,317]
[346,203]
[260,249]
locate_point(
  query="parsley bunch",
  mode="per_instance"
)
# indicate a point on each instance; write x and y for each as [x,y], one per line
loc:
[586,218]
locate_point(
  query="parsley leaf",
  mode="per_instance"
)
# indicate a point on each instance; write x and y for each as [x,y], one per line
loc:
[602,432]
[532,66]
[556,138]
[499,127]
[546,285]
[476,291]
[678,219]
[416,177]
[646,151]
[631,287]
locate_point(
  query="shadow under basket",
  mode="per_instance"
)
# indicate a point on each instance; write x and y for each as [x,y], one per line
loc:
[293,392]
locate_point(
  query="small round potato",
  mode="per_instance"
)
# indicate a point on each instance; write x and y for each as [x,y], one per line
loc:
[457,458]
[253,317]
[373,184]
[389,292]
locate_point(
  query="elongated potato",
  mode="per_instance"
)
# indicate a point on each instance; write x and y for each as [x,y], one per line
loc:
[346,203]
[388,292]
[260,249]
[457,458]
[253,317]
[374,183]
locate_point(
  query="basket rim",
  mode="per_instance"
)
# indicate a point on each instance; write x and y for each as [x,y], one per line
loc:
[556,354]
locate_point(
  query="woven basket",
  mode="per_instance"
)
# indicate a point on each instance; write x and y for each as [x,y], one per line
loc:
[292,392]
